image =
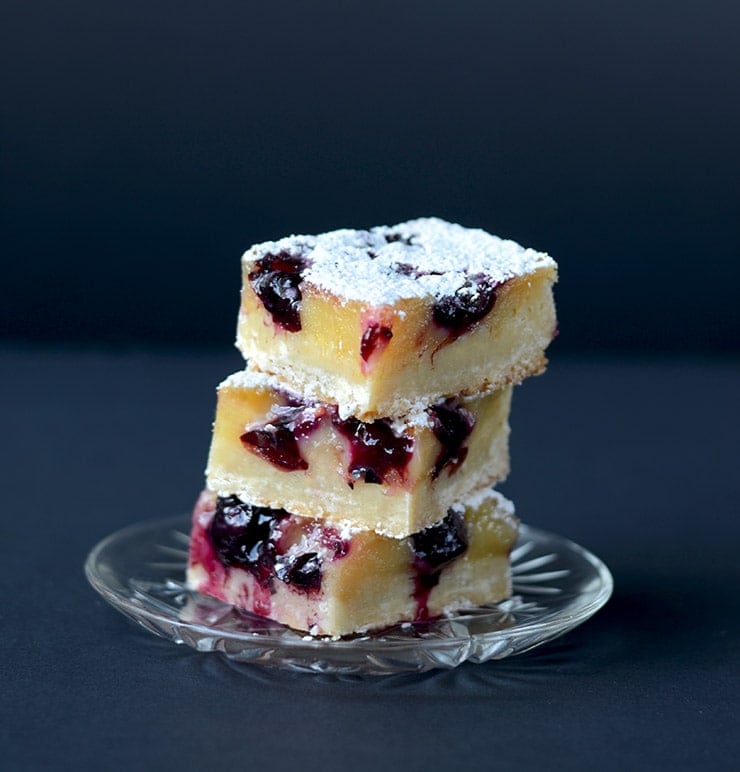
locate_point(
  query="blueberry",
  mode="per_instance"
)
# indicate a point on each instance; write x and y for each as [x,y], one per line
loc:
[243,535]
[376,336]
[440,544]
[276,440]
[452,425]
[276,281]
[459,312]
[375,449]
[302,571]
[406,269]
[390,238]
[277,444]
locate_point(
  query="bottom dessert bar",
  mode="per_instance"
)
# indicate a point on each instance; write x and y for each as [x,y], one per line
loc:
[331,580]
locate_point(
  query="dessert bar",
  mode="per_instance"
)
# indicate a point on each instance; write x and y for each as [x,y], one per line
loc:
[331,580]
[394,475]
[348,486]
[383,322]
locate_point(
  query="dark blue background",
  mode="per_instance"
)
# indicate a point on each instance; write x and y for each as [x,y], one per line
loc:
[145,145]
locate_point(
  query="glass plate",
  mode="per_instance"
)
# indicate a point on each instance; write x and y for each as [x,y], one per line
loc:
[140,570]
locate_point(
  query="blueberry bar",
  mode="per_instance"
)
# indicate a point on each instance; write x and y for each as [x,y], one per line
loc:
[330,580]
[386,321]
[394,475]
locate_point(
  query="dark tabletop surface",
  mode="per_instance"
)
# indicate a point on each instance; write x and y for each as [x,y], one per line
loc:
[636,459]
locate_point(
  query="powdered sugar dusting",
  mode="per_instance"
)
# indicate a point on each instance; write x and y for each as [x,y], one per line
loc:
[422,258]
[252,379]
[249,378]
[504,507]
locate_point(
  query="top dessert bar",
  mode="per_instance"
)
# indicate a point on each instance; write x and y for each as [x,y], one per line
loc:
[387,320]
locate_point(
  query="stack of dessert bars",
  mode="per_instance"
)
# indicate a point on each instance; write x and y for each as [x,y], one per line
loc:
[349,481]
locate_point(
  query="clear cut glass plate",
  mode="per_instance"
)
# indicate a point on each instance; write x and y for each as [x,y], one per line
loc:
[140,570]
